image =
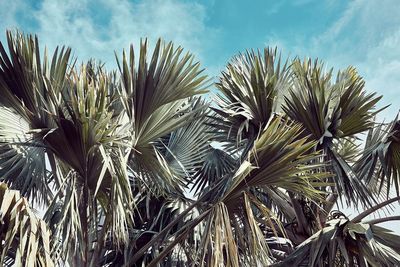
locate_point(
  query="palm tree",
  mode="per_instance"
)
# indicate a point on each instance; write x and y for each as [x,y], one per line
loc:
[142,167]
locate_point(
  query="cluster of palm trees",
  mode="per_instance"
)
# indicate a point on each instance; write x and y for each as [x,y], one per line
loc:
[144,166]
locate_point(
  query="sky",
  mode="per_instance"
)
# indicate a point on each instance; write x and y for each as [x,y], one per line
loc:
[361,33]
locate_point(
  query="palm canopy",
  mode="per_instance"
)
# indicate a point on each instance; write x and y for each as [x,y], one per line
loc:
[112,156]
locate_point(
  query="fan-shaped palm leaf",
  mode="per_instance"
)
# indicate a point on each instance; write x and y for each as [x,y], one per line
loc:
[325,110]
[379,164]
[23,104]
[348,243]
[155,97]
[250,86]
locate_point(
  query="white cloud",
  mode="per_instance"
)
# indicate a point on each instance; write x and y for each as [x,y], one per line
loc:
[71,23]
[376,48]
[382,71]
[367,36]
[8,11]
[68,23]
[184,23]
[275,7]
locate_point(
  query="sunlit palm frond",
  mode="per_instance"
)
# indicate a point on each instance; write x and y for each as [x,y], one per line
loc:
[91,148]
[379,164]
[24,238]
[281,160]
[309,100]
[278,160]
[22,157]
[348,148]
[317,103]
[344,242]
[155,95]
[23,81]
[355,108]
[250,86]
[168,77]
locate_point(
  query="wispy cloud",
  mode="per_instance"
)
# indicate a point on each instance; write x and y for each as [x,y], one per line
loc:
[368,36]
[76,24]
[365,35]
[275,7]
[8,12]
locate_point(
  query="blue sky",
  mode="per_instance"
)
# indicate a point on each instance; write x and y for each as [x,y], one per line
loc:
[365,34]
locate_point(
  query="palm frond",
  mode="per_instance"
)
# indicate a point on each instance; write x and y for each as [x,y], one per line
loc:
[88,151]
[24,238]
[344,243]
[234,207]
[317,103]
[379,164]
[111,155]
[280,160]
[216,165]
[250,86]
[22,158]
[309,100]
[168,77]
[355,107]
[185,149]
[155,96]
[348,148]
[23,82]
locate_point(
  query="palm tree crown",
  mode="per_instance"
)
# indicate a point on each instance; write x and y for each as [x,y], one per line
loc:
[141,167]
